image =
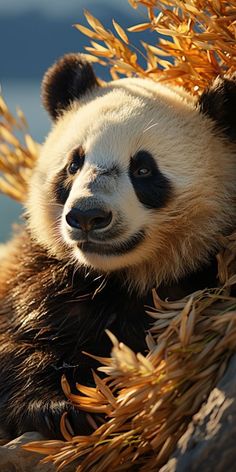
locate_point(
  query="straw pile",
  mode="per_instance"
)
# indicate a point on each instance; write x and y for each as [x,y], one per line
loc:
[148,401]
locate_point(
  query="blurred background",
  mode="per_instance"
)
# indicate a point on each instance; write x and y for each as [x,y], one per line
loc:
[33,34]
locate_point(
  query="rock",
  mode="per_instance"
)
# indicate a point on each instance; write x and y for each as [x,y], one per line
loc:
[209,442]
[15,459]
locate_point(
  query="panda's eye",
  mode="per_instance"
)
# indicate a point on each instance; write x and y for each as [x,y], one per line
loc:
[77,161]
[73,167]
[142,172]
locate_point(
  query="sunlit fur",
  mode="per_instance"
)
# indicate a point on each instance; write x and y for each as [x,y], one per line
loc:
[112,123]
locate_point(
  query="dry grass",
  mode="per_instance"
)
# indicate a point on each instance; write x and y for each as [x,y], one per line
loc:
[17,154]
[198,42]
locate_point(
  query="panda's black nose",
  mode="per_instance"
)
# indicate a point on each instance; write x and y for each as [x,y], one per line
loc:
[88,220]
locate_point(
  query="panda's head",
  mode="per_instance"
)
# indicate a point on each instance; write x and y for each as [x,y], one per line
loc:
[134,176]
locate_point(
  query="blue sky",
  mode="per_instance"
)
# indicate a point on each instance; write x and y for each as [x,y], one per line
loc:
[58,7]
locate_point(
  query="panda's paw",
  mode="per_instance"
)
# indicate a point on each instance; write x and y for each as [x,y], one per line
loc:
[69,420]
[54,418]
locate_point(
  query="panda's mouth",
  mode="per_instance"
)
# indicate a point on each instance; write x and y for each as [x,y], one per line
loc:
[109,249]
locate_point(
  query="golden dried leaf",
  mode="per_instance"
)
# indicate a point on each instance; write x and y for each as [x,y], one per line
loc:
[140,27]
[120,32]
[123,66]
[87,31]
[98,46]
[65,386]
[31,145]
[64,429]
[155,50]
[92,21]
[3,106]
[102,53]
[133,3]
[12,192]
[8,136]
[22,117]
[91,58]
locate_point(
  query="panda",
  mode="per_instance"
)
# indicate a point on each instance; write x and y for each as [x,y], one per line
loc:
[132,190]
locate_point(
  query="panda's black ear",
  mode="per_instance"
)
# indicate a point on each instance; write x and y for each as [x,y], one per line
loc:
[67,80]
[219,103]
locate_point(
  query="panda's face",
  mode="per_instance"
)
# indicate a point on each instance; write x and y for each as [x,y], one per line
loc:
[125,180]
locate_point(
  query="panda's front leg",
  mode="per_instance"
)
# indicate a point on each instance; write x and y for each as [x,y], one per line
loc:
[32,399]
[44,416]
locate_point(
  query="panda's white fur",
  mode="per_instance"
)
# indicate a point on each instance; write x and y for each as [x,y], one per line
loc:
[112,123]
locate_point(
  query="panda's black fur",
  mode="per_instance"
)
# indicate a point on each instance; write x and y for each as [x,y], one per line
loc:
[53,310]
[58,314]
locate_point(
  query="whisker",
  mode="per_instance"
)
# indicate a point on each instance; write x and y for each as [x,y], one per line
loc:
[149,127]
[149,122]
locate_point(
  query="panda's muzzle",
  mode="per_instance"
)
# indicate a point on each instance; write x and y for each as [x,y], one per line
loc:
[88,220]
[98,230]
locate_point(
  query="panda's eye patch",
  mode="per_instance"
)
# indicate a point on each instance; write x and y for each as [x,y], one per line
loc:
[152,188]
[76,161]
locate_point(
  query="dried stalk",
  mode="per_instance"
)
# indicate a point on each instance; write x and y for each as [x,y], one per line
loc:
[17,155]
[197,42]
